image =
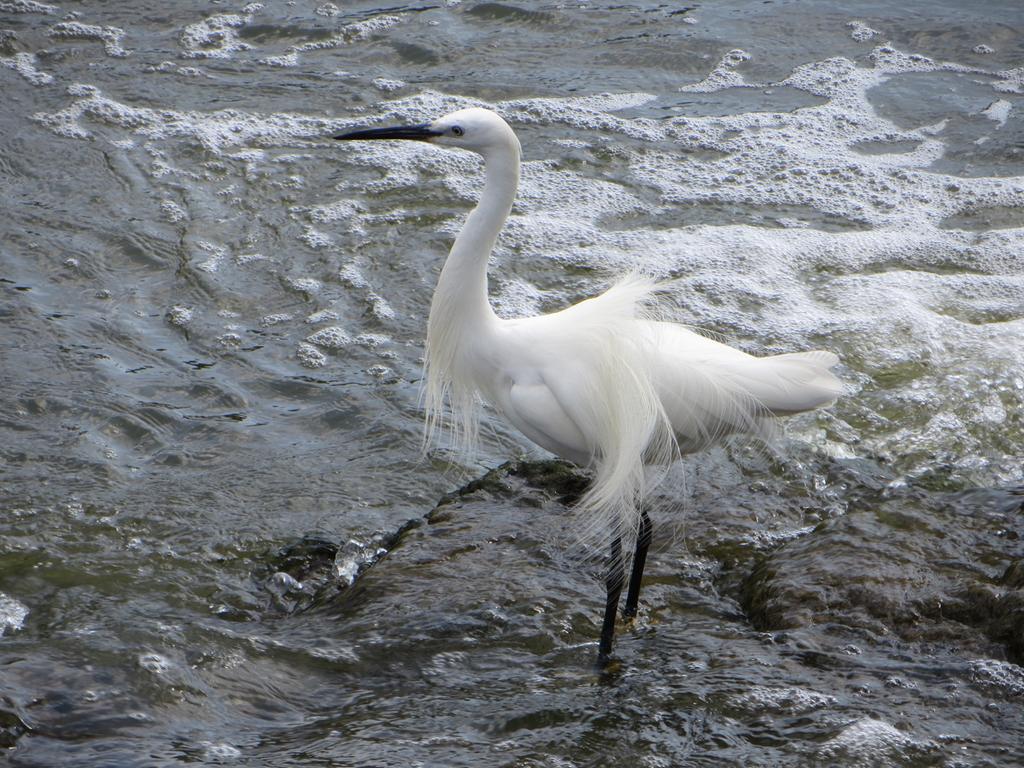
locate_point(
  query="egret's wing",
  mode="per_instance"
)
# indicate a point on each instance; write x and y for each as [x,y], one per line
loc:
[535,411]
[792,383]
[710,389]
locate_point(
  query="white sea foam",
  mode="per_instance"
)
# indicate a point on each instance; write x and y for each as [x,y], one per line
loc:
[372,340]
[328,9]
[860,31]
[1010,81]
[172,211]
[216,131]
[315,238]
[25,65]
[998,675]
[999,111]
[322,316]
[388,84]
[518,298]
[285,60]
[12,614]
[155,663]
[180,315]
[111,37]
[220,753]
[27,6]
[788,699]
[340,210]
[610,102]
[724,75]
[350,274]
[311,357]
[348,34]
[307,285]
[871,742]
[380,307]
[215,37]
[275,319]
[212,255]
[331,337]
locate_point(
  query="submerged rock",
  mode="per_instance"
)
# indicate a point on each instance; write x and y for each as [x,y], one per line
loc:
[311,570]
[918,567]
[947,573]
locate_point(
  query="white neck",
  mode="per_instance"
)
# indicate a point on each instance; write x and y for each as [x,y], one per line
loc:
[461,317]
[460,299]
[462,287]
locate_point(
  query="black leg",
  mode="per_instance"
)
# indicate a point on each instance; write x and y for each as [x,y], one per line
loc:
[643,542]
[613,581]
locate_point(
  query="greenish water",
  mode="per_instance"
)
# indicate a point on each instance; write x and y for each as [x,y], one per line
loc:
[219,542]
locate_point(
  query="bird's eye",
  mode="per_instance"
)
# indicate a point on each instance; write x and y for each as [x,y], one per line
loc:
[457,130]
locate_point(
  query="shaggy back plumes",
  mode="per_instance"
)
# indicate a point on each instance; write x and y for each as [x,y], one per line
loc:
[643,407]
[631,428]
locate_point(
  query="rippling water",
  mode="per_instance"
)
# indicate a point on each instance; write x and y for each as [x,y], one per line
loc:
[218,540]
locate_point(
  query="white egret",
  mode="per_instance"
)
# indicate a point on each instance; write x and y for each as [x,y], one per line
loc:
[601,383]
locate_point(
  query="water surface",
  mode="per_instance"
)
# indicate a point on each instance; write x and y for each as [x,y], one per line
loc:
[219,542]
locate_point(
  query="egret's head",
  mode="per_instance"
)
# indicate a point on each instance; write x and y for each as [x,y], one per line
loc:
[478,130]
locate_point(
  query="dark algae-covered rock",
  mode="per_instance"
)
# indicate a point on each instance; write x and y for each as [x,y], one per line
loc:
[559,480]
[511,523]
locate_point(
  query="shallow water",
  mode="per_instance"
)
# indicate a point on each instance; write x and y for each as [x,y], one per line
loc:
[218,540]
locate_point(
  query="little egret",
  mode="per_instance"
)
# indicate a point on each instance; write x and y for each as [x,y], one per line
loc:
[603,383]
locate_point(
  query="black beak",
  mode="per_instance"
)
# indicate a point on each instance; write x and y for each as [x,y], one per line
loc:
[421,132]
